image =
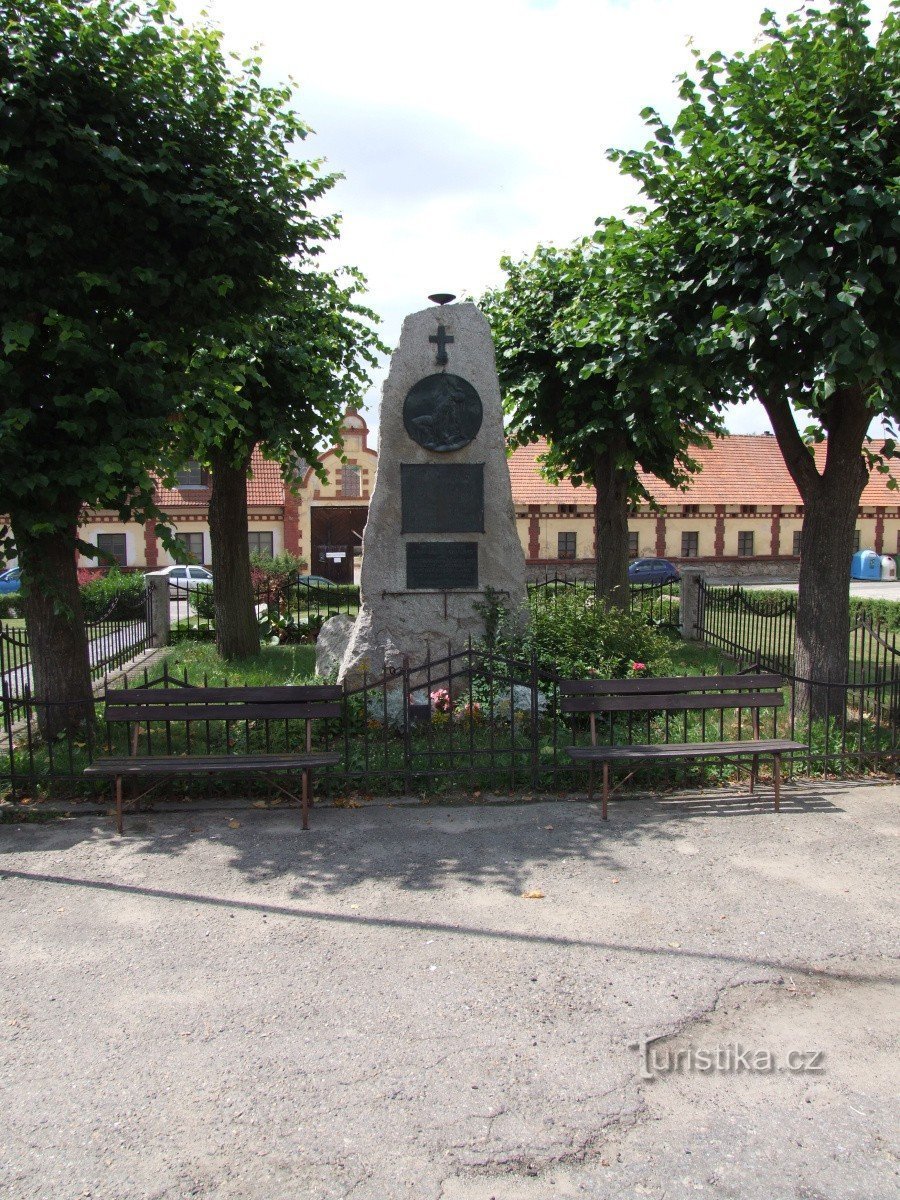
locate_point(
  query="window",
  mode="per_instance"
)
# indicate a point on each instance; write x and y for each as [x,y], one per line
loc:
[747,510]
[565,545]
[351,484]
[190,546]
[856,540]
[690,544]
[262,541]
[114,545]
[568,509]
[745,544]
[632,543]
[798,543]
[690,510]
[192,475]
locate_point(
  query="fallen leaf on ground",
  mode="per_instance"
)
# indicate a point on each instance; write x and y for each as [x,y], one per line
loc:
[260,804]
[233,824]
[675,945]
[534,894]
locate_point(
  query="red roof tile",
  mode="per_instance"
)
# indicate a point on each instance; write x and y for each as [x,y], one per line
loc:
[737,469]
[266,487]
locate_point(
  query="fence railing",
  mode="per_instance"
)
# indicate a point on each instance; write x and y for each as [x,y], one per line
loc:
[297,605]
[114,638]
[467,719]
[746,625]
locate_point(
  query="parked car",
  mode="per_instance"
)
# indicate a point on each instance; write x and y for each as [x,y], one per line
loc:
[652,570]
[316,580]
[9,580]
[184,578]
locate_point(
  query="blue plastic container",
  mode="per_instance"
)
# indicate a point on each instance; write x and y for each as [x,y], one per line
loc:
[866,564]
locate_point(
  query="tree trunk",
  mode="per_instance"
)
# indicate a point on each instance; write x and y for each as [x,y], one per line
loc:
[830,508]
[822,638]
[54,620]
[237,633]
[611,530]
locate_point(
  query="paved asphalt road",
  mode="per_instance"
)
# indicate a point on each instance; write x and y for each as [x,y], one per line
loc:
[218,1006]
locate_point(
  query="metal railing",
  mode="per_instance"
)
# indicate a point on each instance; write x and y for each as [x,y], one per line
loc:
[465,720]
[116,637]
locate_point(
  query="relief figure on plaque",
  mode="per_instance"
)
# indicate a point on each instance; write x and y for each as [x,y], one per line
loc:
[442,412]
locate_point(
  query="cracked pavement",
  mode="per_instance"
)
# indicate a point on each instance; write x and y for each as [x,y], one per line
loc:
[218,1006]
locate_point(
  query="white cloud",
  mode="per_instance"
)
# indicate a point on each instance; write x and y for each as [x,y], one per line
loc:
[473,129]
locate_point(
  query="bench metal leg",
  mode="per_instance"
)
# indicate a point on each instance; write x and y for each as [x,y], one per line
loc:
[754,772]
[591,783]
[776,776]
[119,803]
[605,791]
[304,797]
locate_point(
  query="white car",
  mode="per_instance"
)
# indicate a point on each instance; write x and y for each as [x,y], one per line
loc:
[184,579]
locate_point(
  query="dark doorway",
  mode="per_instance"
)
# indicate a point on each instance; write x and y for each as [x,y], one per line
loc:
[336,535]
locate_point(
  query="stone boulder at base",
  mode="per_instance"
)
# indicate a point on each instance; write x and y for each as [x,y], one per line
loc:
[333,639]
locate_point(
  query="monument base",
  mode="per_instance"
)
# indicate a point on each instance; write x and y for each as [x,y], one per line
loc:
[415,627]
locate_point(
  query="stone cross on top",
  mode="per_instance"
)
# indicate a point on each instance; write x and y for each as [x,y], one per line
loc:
[442,342]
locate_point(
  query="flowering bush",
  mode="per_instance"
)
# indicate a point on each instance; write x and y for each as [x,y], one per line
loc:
[440,700]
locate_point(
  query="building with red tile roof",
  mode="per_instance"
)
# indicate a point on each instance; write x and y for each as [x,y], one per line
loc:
[740,514]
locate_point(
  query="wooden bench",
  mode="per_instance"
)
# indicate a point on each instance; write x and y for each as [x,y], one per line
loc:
[140,708]
[678,694]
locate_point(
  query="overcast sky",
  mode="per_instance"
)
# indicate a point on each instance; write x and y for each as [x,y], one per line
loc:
[476,128]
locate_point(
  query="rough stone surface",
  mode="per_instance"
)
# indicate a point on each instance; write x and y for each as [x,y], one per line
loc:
[394,623]
[220,1006]
[332,642]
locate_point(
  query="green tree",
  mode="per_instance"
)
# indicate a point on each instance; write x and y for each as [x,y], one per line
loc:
[584,355]
[148,204]
[284,388]
[779,187]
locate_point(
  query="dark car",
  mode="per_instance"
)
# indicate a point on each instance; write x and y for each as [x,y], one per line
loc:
[652,570]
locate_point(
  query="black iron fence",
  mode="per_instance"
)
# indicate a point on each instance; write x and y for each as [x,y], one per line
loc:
[746,625]
[467,720]
[290,608]
[116,637]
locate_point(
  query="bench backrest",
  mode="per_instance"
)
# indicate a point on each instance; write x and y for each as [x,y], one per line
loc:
[671,693]
[140,705]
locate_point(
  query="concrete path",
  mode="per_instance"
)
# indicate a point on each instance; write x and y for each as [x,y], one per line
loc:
[218,1006]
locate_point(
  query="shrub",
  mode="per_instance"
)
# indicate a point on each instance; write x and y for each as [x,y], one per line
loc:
[119,596]
[10,605]
[578,636]
[202,599]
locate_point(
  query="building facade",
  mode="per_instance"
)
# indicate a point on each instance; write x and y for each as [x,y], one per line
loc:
[740,516]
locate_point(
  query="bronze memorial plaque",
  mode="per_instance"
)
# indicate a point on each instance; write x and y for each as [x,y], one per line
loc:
[442,412]
[440,566]
[442,497]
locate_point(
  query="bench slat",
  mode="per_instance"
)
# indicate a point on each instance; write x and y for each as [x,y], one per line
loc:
[685,749]
[225,763]
[205,695]
[141,713]
[668,684]
[670,702]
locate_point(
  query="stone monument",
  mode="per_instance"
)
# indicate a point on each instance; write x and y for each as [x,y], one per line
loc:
[441,527]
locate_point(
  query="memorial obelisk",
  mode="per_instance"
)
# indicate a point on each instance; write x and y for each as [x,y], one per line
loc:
[441,527]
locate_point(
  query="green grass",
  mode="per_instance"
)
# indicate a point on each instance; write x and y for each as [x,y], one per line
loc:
[273,665]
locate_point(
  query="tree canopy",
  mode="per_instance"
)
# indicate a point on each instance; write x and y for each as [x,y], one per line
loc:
[150,203]
[586,348]
[283,386]
[778,187]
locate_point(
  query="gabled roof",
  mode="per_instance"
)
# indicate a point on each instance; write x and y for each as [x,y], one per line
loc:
[266,487]
[736,469]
